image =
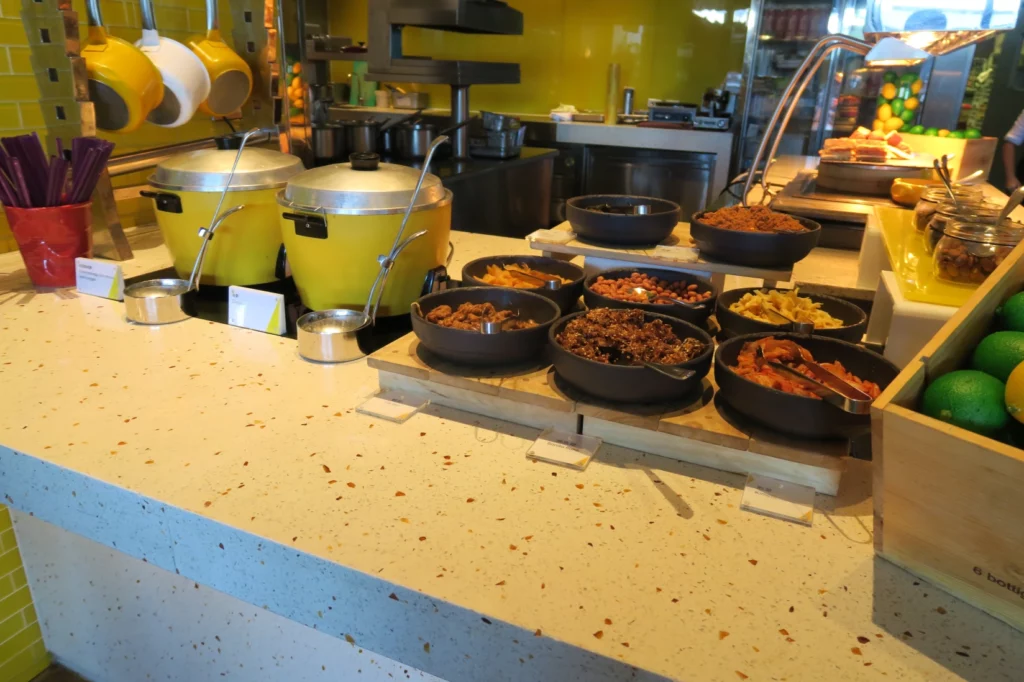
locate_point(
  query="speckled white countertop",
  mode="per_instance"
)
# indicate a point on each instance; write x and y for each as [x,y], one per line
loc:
[218,453]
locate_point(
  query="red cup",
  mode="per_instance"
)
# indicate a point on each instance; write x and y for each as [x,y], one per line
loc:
[50,239]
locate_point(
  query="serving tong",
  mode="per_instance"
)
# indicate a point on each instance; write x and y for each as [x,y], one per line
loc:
[551,283]
[786,320]
[653,296]
[825,384]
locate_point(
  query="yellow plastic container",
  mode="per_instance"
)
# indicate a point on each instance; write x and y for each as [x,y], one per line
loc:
[912,263]
[247,245]
[336,221]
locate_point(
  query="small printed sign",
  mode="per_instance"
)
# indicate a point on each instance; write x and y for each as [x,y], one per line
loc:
[392,405]
[780,499]
[683,254]
[99,278]
[566,449]
[261,311]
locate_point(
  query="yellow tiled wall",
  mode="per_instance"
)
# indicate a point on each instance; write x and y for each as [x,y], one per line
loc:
[29,99]
[668,49]
[22,652]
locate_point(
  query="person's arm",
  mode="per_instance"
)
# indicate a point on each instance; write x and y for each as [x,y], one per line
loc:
[1010,165]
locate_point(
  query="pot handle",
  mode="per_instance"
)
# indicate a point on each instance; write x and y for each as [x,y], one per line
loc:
[308,225]
[165,201]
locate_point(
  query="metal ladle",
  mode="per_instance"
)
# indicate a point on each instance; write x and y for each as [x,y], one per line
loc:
[825,384]
[333,335]
[162,301]
[652,297]
[942,170]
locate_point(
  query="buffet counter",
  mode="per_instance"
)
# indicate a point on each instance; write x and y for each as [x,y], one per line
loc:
[219,456]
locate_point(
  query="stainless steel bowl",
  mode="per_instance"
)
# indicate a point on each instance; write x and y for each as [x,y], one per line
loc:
[332,335]
[156,301]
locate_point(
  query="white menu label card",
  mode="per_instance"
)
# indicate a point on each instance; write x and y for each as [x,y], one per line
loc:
[262,311]
[567,449]
[551,237]
[780,499]
[684,254]
[392,405]
[99,278]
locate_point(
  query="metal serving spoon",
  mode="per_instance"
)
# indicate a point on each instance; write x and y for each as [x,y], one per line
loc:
[942,170]
[825,384]
[652,297]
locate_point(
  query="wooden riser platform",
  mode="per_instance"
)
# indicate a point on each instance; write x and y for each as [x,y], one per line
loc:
[701,430]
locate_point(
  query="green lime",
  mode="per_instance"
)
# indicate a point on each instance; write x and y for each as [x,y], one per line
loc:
[880,101]
[972,134]
[907,115]
[906,128]
[998,353]
[956,134]
[897,106]
[890,77]
[1011,313]
[908,78]
[931,132]
[918,130]
[968,399]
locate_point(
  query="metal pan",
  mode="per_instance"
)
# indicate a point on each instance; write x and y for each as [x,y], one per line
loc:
[874,179]
[794,414]
[475,348]
[733,324]
[650,227]
[754,249]
[696,314]
[565,297]
[631,383]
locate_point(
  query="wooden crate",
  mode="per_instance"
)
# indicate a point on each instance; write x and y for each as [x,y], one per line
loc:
[949,504]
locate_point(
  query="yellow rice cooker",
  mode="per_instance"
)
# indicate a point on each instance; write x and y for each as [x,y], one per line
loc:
[337,220]
[246,248]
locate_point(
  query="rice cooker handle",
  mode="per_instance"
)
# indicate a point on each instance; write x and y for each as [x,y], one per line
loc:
[307,225]
[165,201]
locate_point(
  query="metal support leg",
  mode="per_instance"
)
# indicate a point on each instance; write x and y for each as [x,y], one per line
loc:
[460,113]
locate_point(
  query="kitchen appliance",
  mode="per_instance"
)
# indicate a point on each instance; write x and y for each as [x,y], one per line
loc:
[671,111]
[230,76]
[328,144]
[186,81]
[868,178]
[124,85]
[336,220]
[712,122]
[187,188]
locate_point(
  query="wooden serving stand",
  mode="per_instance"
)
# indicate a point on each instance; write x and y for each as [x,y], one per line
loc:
[686,257]
[701,430]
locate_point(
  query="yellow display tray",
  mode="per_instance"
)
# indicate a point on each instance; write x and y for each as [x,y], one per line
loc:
[912,265]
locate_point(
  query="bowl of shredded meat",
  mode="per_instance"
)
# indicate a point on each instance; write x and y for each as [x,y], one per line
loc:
[782,402]
[755,236]
[608,353]
[449,324]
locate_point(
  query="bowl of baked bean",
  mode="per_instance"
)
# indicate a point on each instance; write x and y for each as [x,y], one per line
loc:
[654,290]
[755,236]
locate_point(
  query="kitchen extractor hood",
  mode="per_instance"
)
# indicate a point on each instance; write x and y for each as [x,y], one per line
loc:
[938,26]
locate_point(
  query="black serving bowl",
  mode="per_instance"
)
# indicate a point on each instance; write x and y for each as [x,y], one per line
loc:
[733,324]
[473,348]
[795,414]
[565,297]
[622,229]
[754,249]
[696,315]
[629,383]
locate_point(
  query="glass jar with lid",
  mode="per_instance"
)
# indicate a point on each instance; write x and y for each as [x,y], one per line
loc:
[933,196]
[973,212]
[968,252]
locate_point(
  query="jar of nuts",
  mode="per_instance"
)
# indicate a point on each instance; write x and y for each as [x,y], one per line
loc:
[968,252]
[933,196]
[985,213]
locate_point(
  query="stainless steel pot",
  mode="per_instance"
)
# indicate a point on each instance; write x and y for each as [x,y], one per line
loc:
[412,140]
[329,144]
[361,136]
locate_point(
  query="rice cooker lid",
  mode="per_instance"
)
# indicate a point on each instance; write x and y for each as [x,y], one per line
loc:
[207,170]
[363,186]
